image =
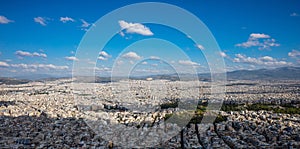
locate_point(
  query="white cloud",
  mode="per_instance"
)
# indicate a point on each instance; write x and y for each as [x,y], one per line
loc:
[249,43]
[4,20]
[188,62]
[294,14]
[267,59]
[201,47]
[39,66]
[144,63]
[263,61]
[154,58]
[119,62]
[122,34]
[84,23]
[102,58]
[135,28]
[3,64]
[102,69]
[103,55]
[223,54]
[294,53]
[23,53]
[40,20]
[71,58]
[258,35]
[262,41]
[39,54]
[66,19]
[28,54]
[131,55]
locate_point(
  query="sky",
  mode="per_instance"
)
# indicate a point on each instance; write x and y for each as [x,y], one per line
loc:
[43,37]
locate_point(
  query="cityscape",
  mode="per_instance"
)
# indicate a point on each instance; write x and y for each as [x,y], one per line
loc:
[192,74]
[254,114]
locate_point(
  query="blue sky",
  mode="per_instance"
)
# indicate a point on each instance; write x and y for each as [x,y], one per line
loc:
[41,37]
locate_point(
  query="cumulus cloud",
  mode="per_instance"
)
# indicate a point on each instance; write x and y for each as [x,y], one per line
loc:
[188,62]
[201,47]
[4,20]
[28,54]
[3,64]
[131,55]
[41,20]
[66,19]
[119,62]
[294,14]
[103,56]
[71,58]
[294,53]
[135,28]
[39,66]
[267,58]
[263,61]
[102,69]
[262,41]
[84,23]
[258,35]
[223,54]
[154,58]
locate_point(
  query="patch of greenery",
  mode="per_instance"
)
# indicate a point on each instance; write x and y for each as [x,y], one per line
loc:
[196,119]
[232,107]
[220,118]
[169,105]
[199,112]
[284,109]
[167,116]
[287,110]
[257,107]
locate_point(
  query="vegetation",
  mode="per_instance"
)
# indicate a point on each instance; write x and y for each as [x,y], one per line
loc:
[202,107]
[169,105]
[257,107]
[284,109]
[287,110]
[197,118]
[232,107]
[167,116]
[220,118]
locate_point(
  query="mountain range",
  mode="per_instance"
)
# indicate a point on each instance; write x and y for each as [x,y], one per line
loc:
[282,73]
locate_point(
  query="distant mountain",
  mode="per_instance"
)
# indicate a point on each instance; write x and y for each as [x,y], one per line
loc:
[282,73]
[12,81]
[35,77]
